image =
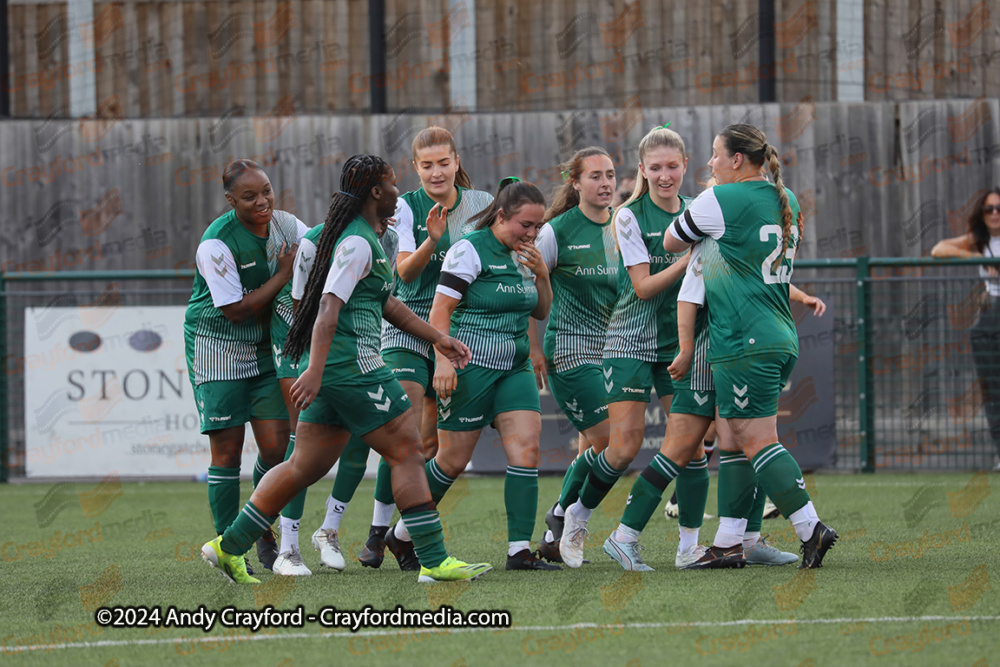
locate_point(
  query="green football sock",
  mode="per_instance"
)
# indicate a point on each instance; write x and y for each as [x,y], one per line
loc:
[223,496]
[692,493]
[575,476]
[736,485]
[647,492]
[383,483]
[781,479]
[248,526]
[293,510]
[259,470]
[599,482]
[520,497]
[437,480]
[424,527]
[350,472]
[756,518]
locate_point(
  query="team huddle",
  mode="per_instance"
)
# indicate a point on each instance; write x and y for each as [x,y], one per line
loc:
[404,324]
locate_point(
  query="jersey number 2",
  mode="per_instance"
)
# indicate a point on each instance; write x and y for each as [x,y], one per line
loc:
[784,274]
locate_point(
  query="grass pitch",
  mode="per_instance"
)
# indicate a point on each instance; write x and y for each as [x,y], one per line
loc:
[908,583]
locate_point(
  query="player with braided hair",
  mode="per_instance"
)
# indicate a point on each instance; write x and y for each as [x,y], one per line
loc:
[345,386]
[753,346]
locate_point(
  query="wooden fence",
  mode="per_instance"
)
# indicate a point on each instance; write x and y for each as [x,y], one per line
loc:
[264,57]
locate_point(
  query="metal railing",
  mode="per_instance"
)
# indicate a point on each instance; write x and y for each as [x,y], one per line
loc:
[908,394]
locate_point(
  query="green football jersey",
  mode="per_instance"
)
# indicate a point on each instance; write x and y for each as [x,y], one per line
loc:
[583,261]
[411,224]
[644,330]
[492,316]
[746,274]
[232,262]
[361,275]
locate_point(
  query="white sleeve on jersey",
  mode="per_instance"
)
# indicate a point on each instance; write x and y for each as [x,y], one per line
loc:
[404,226]
[303,265]
[351,263]
[693,287]
[217,266]
[302,227]
[630,239]
[461,265]
[548,246]
[702,218]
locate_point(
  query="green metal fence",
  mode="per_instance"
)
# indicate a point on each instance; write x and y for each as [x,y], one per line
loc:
[907,390]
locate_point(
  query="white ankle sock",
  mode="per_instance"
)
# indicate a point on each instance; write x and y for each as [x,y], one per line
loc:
[382,514]
[688,538]
[804,521]
[730,532]
[514,548]
[626,535]
[401,532]
[580,513]
[334,513]
[750,539]
[289,535]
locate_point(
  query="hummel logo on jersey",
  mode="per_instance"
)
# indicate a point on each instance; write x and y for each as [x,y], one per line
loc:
[571,406]
[740,392]
[380,261]
[217,260]
[654,234]
[580,247]
[627,233]
[247,266]
[498,266]
[801,481]
[444,413]
[277,354]
[701,400]
[628,501]
[377,396]
[223,271]
[404,370]
[609,384]
[741,404]
[342,259]
[633,390]
[469,420]
[445,401]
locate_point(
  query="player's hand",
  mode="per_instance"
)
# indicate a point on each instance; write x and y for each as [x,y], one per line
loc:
[681,364]
[437,222]
[531,257]
[445,379]
[816,304]
[306,387]
[286,259]
[457,352]
[540,365]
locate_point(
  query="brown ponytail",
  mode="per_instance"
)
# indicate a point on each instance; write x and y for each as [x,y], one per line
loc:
[752,143]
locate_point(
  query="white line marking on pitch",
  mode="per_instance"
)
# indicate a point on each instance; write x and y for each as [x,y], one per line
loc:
[526,628]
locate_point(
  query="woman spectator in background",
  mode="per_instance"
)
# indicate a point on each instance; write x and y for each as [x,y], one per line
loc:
[983,240]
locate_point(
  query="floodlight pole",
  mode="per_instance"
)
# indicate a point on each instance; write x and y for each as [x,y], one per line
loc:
[376,49]
[4,64]
[767,85]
